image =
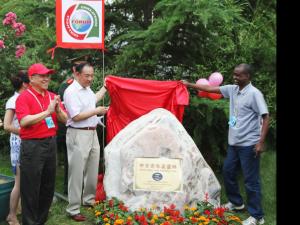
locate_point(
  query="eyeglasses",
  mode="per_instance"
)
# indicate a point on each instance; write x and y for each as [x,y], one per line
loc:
[42,76]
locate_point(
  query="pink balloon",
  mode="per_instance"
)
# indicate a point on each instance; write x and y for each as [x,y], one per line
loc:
[202,81]
[215,79]
[202,94]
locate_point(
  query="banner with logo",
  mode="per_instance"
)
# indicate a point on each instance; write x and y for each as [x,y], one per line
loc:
[80,23]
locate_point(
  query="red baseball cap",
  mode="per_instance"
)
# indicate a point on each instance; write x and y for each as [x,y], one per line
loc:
[39,68]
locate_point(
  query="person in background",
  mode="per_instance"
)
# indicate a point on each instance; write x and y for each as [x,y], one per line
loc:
[20,83]
[38,111]
[248,127]
[82,139]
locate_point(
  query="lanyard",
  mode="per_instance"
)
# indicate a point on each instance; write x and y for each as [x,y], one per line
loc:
[38,100]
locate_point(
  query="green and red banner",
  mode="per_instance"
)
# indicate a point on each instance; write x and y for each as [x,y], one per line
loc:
[80,24]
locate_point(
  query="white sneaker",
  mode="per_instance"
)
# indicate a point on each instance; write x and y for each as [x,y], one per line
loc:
[252,221]
[231,206]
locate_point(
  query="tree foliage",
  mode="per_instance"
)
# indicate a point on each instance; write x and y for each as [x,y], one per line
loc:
[168,40]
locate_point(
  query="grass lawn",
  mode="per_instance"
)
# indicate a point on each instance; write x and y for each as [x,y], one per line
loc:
[58,216]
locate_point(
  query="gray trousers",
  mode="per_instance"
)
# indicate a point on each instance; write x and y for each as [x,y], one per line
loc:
[83,158]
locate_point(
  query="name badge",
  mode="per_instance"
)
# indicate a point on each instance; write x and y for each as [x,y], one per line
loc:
[232,121]
[49,122]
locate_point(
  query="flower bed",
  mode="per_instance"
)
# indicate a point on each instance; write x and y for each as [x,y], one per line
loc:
[114,212]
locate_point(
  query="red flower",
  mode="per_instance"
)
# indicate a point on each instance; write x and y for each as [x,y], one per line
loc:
[19,28]
[10,18]
[136,217]
[111,203]
[20,50]
[2,44]
[142,218]
[149,215]
[207,212]
[172,206]
[219,212]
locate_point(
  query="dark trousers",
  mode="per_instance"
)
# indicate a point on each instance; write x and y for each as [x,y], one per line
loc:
[244,158]
[38,169]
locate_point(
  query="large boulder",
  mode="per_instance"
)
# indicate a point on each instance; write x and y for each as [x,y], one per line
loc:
[157,134]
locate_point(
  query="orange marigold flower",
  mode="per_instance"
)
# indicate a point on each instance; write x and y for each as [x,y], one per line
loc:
[155,217]
[119,221]
[161,215]
[129,218]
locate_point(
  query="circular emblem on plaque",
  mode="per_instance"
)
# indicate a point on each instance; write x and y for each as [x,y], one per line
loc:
[157,176]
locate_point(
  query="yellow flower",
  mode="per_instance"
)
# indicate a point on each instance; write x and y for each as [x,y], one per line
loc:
[186,207]
[97,213]
[129,218]
[161,215]
[105,219]
[202,218]
[155,217]
[119,221]
[152,221]
[107,224]
[196,213]
[193,208]
[234,218]
[167,217]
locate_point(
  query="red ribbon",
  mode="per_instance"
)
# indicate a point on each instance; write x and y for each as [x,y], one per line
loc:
[51,50]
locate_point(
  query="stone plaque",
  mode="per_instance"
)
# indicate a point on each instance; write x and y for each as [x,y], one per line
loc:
[157,174]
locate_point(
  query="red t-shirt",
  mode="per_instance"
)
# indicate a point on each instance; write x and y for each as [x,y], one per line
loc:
[27,104]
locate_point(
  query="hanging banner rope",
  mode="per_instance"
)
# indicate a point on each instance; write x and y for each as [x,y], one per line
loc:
[80,24]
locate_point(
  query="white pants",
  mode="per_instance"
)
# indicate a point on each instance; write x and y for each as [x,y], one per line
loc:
[83,158]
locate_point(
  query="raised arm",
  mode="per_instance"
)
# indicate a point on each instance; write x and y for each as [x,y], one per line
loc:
[100,94]
[202,87]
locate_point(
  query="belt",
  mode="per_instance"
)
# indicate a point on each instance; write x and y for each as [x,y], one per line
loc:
[40,139]
[84,128]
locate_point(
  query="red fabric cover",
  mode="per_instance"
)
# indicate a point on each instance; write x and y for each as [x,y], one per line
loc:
[132,98]
[100,192]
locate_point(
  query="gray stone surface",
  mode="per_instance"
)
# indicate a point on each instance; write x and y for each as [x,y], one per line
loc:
[157,134]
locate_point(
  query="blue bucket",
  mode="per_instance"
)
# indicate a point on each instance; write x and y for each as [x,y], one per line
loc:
[6,186]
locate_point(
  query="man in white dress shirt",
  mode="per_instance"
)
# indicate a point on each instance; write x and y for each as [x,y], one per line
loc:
[82,140]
